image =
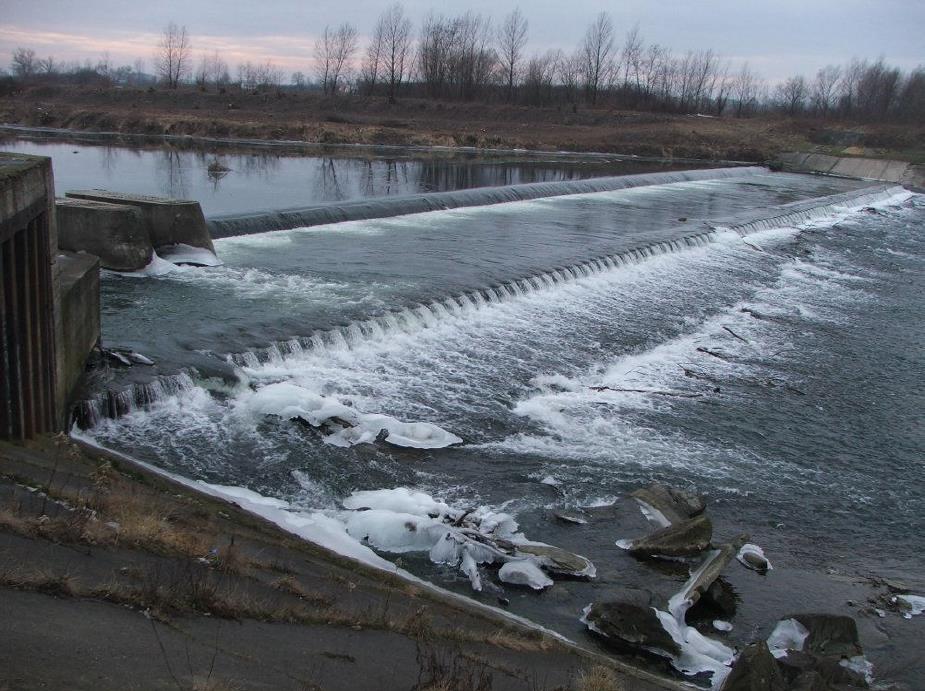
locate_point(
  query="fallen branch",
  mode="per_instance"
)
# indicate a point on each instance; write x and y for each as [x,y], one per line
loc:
[734,334]
[718,356]
[655,392]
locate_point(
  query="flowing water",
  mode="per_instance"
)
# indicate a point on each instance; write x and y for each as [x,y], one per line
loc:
[779,374]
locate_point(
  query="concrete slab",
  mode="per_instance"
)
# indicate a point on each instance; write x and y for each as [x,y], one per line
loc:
[116,233]
[169,221]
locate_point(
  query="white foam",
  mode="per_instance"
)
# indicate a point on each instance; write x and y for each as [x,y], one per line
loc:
[721,625]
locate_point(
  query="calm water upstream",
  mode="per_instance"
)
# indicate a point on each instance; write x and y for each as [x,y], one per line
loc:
[808,434]
[261,177]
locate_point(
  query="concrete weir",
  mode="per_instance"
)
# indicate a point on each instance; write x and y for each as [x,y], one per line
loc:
[907,174]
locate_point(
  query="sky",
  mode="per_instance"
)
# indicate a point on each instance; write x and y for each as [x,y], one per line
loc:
[778,38]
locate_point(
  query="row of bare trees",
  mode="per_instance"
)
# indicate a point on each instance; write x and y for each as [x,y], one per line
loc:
[467,57]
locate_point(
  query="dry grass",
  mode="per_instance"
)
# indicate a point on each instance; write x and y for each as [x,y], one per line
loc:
[598,678]
[512,639]
[214,684]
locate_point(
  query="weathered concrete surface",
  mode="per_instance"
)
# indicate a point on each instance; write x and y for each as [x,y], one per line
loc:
[907,174]
[79,305]
[29,400]
[116,233]
[168,221]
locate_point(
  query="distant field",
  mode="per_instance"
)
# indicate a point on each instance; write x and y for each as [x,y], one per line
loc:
[351,119]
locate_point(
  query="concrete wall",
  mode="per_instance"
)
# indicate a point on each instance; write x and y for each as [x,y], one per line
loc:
[79,305]
[907,174]
[30,400]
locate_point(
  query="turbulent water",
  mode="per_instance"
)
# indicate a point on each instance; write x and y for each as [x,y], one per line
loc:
[778,373]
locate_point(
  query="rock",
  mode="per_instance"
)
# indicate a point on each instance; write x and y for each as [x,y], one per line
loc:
[809,681]
[755,670]
[557,561]
[683,538]
[718,599]
[569,518]
[631,625]
[752,557]
[674,504]
[830,635]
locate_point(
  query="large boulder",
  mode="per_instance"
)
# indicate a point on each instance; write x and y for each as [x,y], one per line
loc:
[557,561]
[830,635]
[684,538]
[631,625]
[755,670]
[674,504]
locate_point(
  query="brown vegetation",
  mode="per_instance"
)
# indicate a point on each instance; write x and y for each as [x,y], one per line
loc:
[306,117]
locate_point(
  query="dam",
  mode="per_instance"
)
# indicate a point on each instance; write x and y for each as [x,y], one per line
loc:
[735,331]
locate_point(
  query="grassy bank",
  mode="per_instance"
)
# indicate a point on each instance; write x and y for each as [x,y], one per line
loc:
[127,579]
[358,120]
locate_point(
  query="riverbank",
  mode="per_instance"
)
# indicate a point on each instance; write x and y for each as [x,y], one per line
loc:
[412,122]
[128,579]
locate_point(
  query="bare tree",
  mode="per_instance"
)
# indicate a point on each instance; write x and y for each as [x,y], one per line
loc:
[372,60]
[597,53]
[173,55]
[825,88]
[512,38]
[333,51]
[746,90]
[25,63]
[540,76]
[791,95]
[298,80]
[396,51]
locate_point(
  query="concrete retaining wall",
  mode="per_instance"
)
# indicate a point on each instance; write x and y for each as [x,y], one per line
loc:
[116,233]
[79,305]
[907,174]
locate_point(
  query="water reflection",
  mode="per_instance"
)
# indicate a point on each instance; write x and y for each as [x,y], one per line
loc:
[234,180]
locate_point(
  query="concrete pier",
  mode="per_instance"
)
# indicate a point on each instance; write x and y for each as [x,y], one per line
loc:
[115,233]
[167,221]
[30,400]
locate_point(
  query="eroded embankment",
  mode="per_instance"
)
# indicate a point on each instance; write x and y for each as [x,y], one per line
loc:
[223,226]
[149,569]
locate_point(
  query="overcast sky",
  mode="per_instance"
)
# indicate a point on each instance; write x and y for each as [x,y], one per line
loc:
[777,37]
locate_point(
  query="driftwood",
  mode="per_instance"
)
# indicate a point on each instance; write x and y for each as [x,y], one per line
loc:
[718,356]
[655,392]
[735,335]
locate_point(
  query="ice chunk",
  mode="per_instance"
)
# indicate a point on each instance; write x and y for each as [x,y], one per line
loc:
[398,499]
[789,634]
[415,435]
[721,625]
[916,604]
[291,401]
[860,665]
[185,254]
[524,572]
[394,531]
[470,567]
